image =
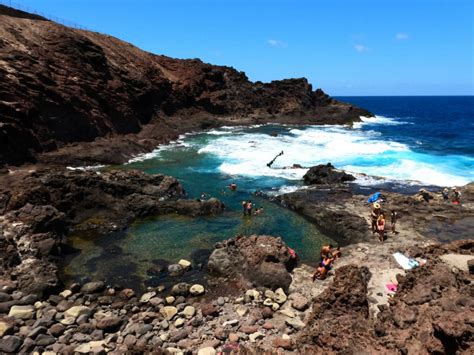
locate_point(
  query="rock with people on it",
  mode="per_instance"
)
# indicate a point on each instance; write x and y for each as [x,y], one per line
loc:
[259,260]
[326,174]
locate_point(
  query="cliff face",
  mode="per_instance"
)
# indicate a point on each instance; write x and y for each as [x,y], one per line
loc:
[60,85]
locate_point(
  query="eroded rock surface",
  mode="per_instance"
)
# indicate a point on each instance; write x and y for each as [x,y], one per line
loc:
[61,85]
[261,260]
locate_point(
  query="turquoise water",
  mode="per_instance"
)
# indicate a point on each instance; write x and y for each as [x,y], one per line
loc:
[126,258]
[413,142]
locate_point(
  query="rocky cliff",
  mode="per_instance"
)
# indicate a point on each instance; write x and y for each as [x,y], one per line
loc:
[60,85]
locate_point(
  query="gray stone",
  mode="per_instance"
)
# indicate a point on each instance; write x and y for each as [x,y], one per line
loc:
[93,287]
[36,331]
[10,344]
[45,340]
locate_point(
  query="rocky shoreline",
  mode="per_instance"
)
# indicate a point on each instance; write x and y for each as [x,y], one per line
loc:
[256,300]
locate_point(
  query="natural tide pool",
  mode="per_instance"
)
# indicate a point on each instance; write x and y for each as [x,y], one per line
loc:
[133,257]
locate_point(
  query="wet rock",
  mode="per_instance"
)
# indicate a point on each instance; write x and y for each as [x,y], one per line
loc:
[168,312]
[22,312]
[326,174]
[196,290]
[180,289]
[185,264]
[109,324]
[175,270]
[127,293]
[10,344]
[93,287]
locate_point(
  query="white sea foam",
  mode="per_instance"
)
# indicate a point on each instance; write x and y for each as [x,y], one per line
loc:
[354,150]
[85,168]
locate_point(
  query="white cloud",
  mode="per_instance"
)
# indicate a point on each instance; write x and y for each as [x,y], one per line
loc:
[361,48]
[276,43]
[401,36]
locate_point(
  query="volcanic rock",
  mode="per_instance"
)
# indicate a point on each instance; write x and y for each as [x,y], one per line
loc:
[261,260]
[326,174]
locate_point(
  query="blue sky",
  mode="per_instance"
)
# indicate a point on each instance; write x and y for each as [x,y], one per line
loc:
[352,47]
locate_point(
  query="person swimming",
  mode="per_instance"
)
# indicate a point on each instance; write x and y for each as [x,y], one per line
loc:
[233,186]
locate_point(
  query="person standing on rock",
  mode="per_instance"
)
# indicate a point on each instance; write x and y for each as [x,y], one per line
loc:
[456,196]
[393,221]
[244,207]
[374,216]
[381,226]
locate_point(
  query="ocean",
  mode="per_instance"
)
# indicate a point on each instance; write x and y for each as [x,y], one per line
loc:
[410,143]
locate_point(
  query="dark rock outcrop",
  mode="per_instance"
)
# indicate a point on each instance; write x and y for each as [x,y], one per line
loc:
[40,207]
[260,260]
[61,85]
[326,174]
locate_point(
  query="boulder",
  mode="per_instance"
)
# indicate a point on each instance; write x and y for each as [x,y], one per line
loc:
[260,260]
[326,174]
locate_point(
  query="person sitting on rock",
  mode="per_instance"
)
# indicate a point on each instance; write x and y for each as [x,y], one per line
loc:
[323,268]
[374,215]
[456,196]
[381,226]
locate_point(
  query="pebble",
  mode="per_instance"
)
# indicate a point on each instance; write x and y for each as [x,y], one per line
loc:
[184,263]
[196,290]
[269,294]
[230,322]
[5,329]
[280,296]
[22,312]
[66,293]
[109,324]
[170,299]
[164,324]
[175,270]
[180,289]
[220,301]
[57,329]
[248,329]
[207,351]
[10,344]
[77,311]
[45,340]
[299,302]
[189,311]
[168,312]
[179,322]
[254,336]
[253,294]
[295,323]
[242,311]
[287,312]
[93,287]
[234,337]
[268,302]
[275,306]
[147,296]
[68,321]
[282,343]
